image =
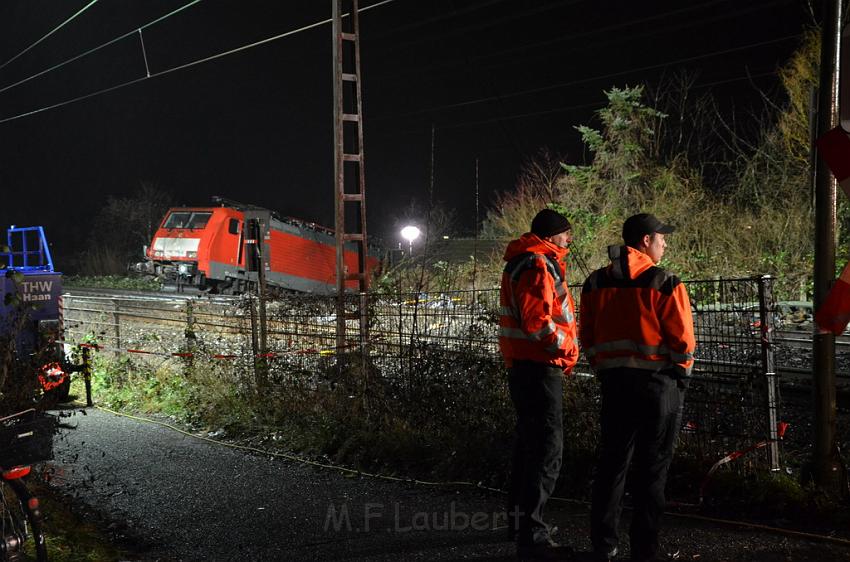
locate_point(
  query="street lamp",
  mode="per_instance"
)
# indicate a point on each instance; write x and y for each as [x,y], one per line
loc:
[410,233]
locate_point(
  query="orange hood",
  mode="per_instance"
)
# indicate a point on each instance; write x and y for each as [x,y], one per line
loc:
[628,263]
[532,243]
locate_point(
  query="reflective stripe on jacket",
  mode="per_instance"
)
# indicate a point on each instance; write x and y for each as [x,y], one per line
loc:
[537,314]
[634,314]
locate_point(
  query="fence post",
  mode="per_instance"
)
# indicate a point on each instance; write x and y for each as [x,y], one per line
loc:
[262,362]
[116,317]
[190,337]
[262,295]
[404,367]
[87,375]
[255,344]
[190,324]
[766,308]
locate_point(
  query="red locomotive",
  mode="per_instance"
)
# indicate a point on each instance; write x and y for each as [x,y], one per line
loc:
[214,249]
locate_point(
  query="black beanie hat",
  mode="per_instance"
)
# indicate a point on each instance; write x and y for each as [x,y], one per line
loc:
[549,223]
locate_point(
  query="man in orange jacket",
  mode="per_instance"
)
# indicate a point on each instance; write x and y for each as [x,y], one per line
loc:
[637,331]
[537,338]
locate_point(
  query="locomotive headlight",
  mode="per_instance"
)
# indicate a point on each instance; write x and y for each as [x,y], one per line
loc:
[177,247]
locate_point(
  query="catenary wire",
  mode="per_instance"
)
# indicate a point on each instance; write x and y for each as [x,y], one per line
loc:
[51,32]
[647,30]
[305,28]
[530,11]
[497,58]
[594,104]
[99,47]
[264,41]
[487,84]
[498,98]
[406,29]
[179,67]
[559,109]
[560,85]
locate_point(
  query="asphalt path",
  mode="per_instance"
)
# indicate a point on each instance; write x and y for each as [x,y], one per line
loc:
[185,499]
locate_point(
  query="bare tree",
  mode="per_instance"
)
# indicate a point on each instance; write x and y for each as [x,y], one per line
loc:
[121,228]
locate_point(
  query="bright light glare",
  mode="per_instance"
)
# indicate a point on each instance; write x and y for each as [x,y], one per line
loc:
[410,233]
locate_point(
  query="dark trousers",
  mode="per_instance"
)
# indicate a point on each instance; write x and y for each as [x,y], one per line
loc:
[537,394]
[640,419]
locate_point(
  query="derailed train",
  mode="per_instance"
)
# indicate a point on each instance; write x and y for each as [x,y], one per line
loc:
[215,249]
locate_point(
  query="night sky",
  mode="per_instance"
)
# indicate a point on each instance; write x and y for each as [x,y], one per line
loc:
[498,79]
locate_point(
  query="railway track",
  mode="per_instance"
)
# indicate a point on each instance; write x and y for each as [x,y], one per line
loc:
[728,395]
[792,347]
[164,296]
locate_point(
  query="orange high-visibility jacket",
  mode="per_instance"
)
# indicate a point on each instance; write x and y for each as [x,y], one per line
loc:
[537,317]
[634,314]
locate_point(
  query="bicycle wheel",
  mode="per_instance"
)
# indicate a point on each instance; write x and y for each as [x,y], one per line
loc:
[20,524]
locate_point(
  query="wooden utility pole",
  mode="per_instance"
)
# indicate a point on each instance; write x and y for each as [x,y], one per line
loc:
[826,467]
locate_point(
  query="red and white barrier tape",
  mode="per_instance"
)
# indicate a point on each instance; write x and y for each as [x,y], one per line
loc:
[781,428]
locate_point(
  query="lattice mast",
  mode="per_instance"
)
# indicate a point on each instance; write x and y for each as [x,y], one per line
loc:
[350,179]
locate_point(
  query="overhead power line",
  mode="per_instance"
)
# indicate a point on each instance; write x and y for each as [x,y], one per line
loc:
[54,30]
[99,47]
[563,109]
[175,68]
[467,9]
[443,16]
[263,41]
[613,35]
[528,12]
[560,85]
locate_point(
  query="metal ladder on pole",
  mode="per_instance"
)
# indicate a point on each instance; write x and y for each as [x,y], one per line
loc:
[350,178]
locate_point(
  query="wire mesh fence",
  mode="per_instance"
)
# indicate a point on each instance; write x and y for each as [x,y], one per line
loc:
[732,402]
[431,362]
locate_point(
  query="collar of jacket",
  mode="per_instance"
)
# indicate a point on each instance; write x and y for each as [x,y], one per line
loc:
[627,262]
[529,242]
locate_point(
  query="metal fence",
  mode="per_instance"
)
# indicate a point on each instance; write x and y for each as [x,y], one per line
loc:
[432,360]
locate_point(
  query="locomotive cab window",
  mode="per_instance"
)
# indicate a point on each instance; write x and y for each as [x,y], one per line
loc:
[233,227]
[187,220]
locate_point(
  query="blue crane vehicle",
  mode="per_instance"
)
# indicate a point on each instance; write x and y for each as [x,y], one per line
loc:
[30,305]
